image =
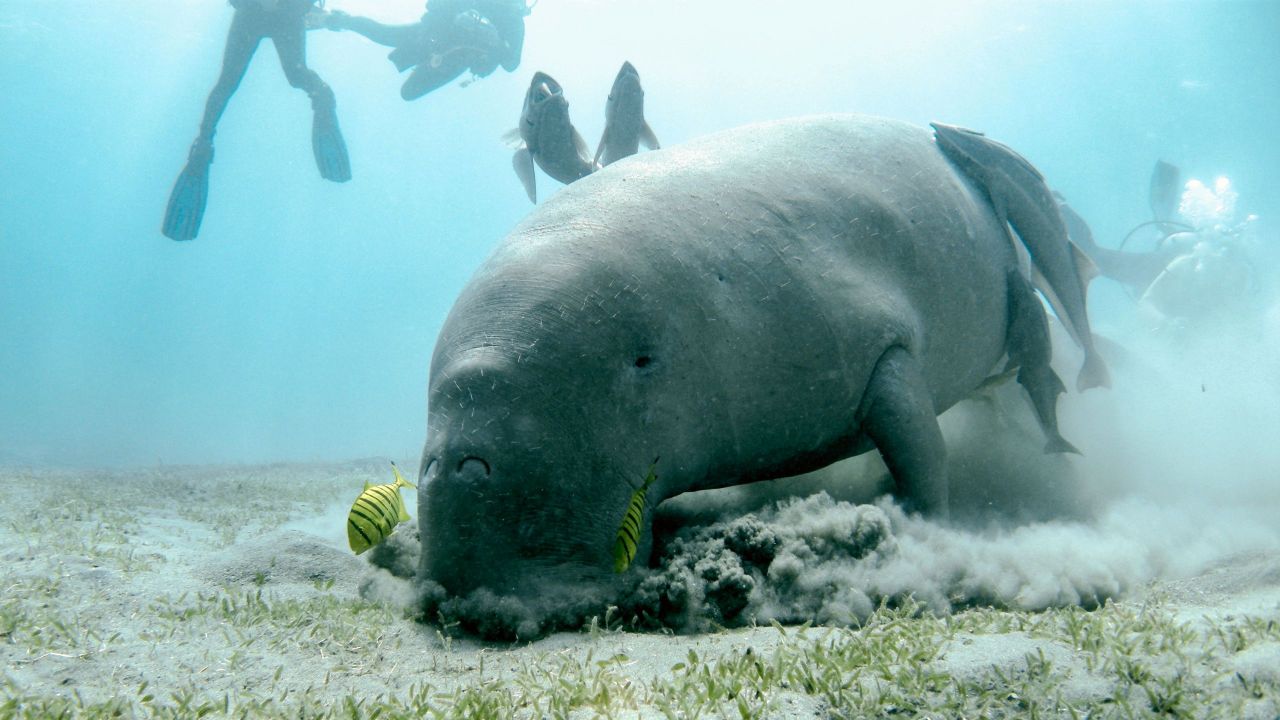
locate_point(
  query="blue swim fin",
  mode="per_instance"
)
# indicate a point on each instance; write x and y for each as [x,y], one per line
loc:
[327,143]
[190,193]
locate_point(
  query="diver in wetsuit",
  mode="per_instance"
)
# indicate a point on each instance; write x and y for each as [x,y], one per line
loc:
[452,36]
[286,23]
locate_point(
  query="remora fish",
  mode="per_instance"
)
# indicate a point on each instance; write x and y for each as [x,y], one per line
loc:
[1022,199]
[625,128]
[548,138]
[1135,270]
[376,512]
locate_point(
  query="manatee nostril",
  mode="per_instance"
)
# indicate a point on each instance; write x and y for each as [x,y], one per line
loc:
[428,471]
[473,466]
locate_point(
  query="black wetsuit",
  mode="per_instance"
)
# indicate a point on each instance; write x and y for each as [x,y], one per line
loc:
[286,26]
[451,37]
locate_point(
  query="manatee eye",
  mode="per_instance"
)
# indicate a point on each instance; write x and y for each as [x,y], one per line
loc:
[643,361]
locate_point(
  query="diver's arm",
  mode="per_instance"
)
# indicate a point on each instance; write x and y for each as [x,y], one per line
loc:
[383,34]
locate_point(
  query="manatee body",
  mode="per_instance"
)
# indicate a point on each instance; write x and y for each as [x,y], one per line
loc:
[750,305]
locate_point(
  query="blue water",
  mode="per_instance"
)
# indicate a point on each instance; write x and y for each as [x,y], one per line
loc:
[299,326]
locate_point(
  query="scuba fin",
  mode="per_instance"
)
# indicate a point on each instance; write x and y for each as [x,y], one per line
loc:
[190,193]
[1166,190]
[326,139]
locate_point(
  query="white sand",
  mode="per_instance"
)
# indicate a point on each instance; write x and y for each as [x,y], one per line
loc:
[233,586]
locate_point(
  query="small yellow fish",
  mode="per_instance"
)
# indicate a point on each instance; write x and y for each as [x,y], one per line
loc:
[376,513]
[624,546]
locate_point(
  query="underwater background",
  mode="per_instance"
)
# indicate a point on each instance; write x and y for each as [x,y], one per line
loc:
[300,324]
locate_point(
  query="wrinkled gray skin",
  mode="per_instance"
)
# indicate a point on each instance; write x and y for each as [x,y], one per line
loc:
[625,128]
[548,138]
[1021,197]
[754,304]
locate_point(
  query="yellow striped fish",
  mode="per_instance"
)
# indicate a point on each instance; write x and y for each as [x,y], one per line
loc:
[624,546]
[376,513]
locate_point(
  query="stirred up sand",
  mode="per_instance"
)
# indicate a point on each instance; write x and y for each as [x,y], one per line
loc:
[228,591]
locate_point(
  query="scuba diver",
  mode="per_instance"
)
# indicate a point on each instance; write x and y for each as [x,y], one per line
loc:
[452,36]
[286,23]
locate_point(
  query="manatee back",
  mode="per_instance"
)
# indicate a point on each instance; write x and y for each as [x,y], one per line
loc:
[823,228]
[771,265]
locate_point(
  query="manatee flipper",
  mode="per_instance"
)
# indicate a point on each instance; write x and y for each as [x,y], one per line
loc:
[1030,350]
[647,138]
[898,416]
[522,161]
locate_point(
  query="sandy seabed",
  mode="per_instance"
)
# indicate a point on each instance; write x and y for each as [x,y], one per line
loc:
[228,591]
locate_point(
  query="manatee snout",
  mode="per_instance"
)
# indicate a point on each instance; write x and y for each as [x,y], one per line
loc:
[509,499]
[457,522]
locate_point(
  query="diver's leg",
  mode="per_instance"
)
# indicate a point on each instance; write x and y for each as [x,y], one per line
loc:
[383,34]
[327,143]
[291,46]
[433,73]
[897,414]
[242,42]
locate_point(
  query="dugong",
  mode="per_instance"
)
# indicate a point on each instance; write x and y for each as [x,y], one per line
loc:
[750,305]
